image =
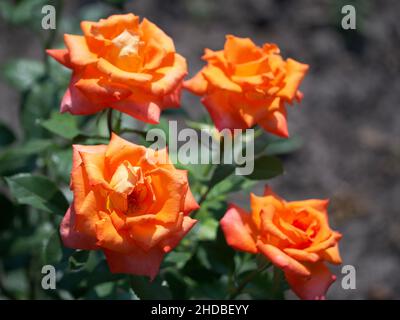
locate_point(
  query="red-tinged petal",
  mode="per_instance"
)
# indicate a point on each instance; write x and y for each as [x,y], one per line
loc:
[217,104]
[190,203]
[75,102]
[236,227]
[282,260]
[79,52]
[170,243]
[197,85]
[136,262]
[276,123]
[141,106]
[61,56]
[313,287]
[173,99]
[72,238]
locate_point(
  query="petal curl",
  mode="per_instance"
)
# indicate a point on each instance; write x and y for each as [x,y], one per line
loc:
[236,227]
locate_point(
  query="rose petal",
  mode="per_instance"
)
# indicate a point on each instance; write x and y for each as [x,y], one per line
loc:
[120,150]
[313,287]
[79,52]
[240,50]
[295,72]
[141,106]
[197,85]
[282,260]
[217,104]
[75,102]
[170,243]
[72,238]
[136,262]
[61,56]
[236,227]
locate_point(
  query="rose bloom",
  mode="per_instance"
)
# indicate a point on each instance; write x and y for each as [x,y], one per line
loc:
[130,202]
[294,236]
[122,64]
[244,85]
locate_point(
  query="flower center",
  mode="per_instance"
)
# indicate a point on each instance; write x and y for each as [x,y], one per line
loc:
[128,43]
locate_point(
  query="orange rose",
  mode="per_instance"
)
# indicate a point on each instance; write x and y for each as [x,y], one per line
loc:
[294,236]
[243,85]
[128,202]
[122,64]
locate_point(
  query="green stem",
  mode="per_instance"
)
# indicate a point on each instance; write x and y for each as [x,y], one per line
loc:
[248,279]
[276,282]
[109,121]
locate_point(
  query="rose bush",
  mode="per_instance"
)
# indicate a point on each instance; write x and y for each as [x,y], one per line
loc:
[109,214]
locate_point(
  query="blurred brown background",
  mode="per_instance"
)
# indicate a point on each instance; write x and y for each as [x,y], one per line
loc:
[348,119]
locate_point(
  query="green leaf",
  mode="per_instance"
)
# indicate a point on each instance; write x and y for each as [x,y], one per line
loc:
[52,250]
[79,259]
[284,146]
[29,241]
[220,173]
[38,192]
[22,73]
[60,164]
[266,167]
[15,158]
[6,135]
[207,227]
[146,290]
[232,184]
[216,256]
[41,100]
[177,259]
[62,124]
